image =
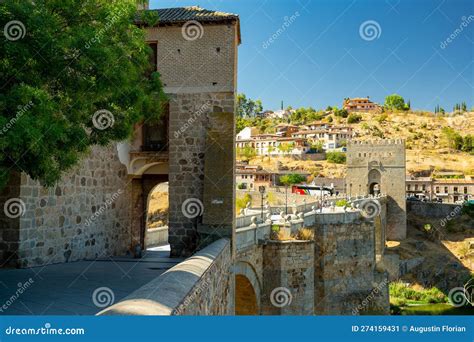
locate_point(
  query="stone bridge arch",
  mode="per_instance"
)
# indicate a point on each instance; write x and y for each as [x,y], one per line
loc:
[247,289]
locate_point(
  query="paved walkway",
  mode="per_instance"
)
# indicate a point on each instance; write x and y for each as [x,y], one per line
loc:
[68,289]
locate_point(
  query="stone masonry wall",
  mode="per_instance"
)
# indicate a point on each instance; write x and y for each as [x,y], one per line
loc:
[344,263]
[288,278]
[84,216]
[200,285]
[189,125]
[384,160]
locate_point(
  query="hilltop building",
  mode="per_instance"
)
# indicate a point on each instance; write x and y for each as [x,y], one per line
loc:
[360,104]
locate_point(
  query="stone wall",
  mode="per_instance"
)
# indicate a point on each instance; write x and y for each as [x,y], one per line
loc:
[200,285]
[434,210]
[288,273]
[345,273]
[84,216]
[380,162]
[192,117]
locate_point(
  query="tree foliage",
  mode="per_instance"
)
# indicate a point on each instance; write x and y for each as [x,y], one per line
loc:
[248,108]
[69,63]
[336,157]
[292,179]
[396,102]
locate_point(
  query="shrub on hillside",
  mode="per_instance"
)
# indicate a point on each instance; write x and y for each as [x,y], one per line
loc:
[336,157]
[354,118]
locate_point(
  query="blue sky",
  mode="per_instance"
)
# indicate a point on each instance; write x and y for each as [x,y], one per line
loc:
[320,57]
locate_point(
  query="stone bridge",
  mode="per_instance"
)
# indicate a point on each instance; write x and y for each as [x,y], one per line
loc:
[337,271]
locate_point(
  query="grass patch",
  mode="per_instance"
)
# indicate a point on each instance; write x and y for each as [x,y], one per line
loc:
[402,294]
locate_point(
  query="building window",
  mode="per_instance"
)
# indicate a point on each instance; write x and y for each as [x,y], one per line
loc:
[445,189]
[408,187]
[465,189]
[437,189]
[153,57]
[155,135]
[455,189]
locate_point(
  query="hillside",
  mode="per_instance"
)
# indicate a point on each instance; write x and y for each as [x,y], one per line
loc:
[427,145]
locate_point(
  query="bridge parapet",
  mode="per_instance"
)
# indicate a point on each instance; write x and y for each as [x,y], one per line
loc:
[251,235]
[200,285]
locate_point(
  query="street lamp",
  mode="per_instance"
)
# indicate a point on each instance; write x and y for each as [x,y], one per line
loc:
[261,189]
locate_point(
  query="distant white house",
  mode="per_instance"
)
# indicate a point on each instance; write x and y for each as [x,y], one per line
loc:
[247,133]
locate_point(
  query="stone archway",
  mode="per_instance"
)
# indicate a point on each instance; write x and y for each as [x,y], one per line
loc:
[374,182]
[245,297]
[156,221]
[247,290]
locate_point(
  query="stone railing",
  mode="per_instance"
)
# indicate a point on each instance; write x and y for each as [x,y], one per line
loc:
[200,285]
[251,235]
[156,236]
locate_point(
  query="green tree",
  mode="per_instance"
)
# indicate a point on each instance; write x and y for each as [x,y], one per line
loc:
[343,113]
[246,152]
[248,108]
[395,102]
[286,147]
[354,118]
[74,74]
[292,179]
[336,157]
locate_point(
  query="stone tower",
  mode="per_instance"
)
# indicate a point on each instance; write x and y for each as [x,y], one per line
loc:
[379,166]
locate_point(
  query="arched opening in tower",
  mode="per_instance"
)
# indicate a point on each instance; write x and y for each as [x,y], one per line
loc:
[157,211]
